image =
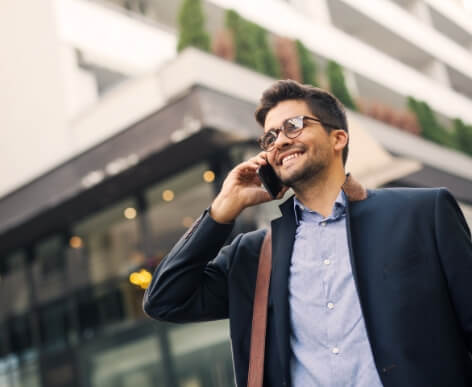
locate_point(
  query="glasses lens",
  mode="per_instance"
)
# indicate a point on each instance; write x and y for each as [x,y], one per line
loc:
[292,126]
[268,140]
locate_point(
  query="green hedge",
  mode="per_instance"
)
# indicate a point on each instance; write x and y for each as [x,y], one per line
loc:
[251,45]
[463,136]
[458,137]
[431,128]
[308,67]
[192,26]
[337,85]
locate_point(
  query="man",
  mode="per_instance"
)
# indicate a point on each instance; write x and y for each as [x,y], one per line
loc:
[368,288]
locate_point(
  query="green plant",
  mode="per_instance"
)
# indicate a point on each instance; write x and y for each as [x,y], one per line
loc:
[270,64]
[192,26]
[252,48]
[463,136]
[431,128]
[338,85]
[244,41]
[307,64]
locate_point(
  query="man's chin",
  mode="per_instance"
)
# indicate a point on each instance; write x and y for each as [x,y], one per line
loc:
[291,178]
[299,176]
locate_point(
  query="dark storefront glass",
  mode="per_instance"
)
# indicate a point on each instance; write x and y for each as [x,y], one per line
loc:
[129,358]
[14,295]
[110,241]
[22,373]
[175,203]
[202,354]
[49,268]
[18,358]
[71,317]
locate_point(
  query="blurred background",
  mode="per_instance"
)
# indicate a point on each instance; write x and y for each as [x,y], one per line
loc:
[120,118]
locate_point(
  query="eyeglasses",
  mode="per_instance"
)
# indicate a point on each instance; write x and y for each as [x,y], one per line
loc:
[291,128]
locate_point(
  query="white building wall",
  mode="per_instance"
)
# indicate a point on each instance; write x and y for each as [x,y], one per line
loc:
[80,86]
[51,109]
[33,111]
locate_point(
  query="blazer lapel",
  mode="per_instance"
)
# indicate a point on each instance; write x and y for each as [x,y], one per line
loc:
[283,236]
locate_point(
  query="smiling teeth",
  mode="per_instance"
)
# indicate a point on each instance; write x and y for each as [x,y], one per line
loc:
[289,157]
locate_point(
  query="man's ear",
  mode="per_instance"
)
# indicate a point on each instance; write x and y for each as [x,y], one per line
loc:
[340,138]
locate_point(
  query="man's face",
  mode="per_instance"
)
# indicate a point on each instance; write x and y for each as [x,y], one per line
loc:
[300,159]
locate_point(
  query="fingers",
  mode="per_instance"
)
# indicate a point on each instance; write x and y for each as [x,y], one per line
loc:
[250,166]
[258,160]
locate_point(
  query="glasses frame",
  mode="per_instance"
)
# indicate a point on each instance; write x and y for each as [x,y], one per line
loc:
[283,129]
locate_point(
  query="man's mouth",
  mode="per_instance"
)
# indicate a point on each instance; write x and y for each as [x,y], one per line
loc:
[286,159]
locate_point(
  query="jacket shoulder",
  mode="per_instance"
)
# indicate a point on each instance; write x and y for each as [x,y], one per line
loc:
[405,196]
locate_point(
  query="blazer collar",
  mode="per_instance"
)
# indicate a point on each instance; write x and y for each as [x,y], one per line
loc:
[283,237]
[353,190]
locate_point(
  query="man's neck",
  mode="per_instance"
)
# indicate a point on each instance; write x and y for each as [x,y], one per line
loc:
[321,194]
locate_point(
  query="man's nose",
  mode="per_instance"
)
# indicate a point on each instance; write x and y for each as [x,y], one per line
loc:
[282,140]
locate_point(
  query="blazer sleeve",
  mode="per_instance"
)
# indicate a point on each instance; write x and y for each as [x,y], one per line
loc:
[455,250]
[190,284]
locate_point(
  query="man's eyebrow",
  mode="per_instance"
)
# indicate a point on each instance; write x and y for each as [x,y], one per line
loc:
[279,127]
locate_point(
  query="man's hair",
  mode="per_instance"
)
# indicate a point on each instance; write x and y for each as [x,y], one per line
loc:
[322,104]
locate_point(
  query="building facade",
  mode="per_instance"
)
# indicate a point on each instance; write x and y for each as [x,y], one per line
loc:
[113,144]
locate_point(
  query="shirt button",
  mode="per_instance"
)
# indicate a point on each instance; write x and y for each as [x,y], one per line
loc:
[335,350]
[330,305]
[326,261]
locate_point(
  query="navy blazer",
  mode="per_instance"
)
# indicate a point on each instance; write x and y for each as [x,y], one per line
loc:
[411,258]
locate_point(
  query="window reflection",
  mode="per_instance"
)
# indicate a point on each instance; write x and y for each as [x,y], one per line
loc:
[195,347]
[24,373]
[110,241]
[173,206]
[55,325]
[14,297]
[48,268]
[129,363]
[20,338]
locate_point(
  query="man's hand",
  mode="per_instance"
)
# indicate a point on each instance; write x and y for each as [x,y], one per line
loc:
[241,189]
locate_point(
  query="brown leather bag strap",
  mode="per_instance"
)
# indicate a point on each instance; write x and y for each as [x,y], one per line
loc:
[259,315]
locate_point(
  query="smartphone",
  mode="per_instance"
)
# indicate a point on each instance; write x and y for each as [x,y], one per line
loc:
[270,180]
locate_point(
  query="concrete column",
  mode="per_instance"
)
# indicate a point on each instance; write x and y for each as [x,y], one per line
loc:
[351,83]
[420,9]
[437,71]
[317,9]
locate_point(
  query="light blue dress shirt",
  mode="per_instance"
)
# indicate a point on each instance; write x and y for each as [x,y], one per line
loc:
[328,338]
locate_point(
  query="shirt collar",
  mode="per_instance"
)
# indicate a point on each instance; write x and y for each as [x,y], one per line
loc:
[338,207]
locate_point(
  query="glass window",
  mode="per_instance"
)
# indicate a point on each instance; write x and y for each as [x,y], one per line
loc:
[48,268]
[111,241]
[175,203]
[202,354]
[55,325]
[14,292]
[108,304]
[15,373]
[88,313]
[19,332]
[130,363]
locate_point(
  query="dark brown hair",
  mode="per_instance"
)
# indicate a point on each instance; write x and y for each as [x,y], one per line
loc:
[322,104]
